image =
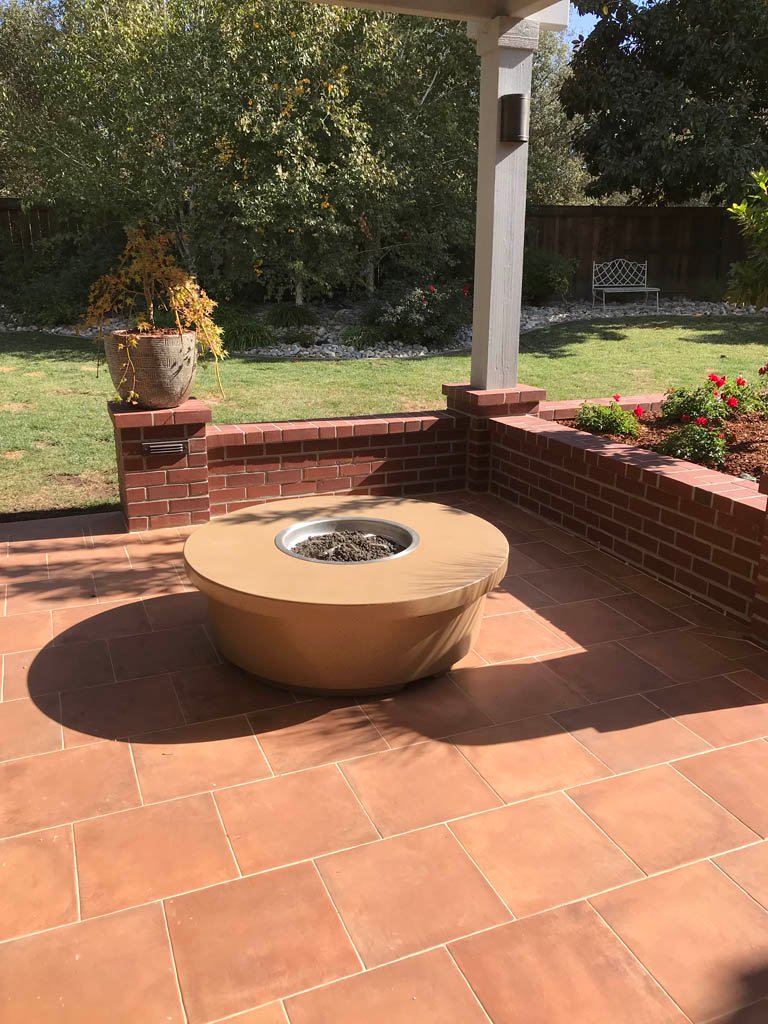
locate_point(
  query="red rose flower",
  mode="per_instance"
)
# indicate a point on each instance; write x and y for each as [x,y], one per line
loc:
[733,402]
[702,421]
[717,394]
[639,412]
[617,398]
[741,382]
[713,377]
[763,370]
[431,289]
[466,291]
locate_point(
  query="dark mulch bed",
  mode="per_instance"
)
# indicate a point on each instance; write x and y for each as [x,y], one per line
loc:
[747,441]
[347,546]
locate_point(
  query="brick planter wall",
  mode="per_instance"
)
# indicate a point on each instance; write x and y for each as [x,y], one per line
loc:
[695,528]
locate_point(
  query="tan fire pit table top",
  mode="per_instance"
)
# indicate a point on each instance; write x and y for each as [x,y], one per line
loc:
[236,559]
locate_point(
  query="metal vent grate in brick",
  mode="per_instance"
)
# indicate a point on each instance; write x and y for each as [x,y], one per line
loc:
[178,447]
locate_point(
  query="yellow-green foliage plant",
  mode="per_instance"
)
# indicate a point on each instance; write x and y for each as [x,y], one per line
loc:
[149,280]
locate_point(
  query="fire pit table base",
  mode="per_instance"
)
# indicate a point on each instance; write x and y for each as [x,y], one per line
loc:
[359,628]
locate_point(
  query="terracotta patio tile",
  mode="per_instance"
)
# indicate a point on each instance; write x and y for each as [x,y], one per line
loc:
[176,610]
[24,632]
[728,646]
[56,669]
[650,615]
[606,671]
[716,709]
[680,655]
[574,584]
[529,758]
[543,971]
[707,618]
[418,785]
[737,778]
[99,622]
[546,555]
[429,709]
[150,852]
[697,933]
[119,710]
[197,758]
[314,732]
[630,733]
[757,1013]
[659,819]
[541,853]
[42,594]
[757,665]
[666,596]
[29,727]
[399,896]
[170,650]
[514,594]
[115,969]
[516,636]
[605,565]
[749,869]
[256,939]
[748,680]
[508,693]
[561,539]
[425,989]
[154,578]
[220,691]
[590,622]
[37,882]
[67,785]
[520,561]
[272,1014]
[292,818]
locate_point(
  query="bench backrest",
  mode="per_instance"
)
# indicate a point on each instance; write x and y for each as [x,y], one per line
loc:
[620,274]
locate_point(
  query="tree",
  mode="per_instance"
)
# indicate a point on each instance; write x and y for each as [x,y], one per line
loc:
[674,97]
[556,174]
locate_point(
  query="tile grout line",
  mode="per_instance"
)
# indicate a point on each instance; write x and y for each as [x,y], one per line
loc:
[733,881]
[607,835]
[338,914]
[262,751]
[388,745]
[637,960]
[76,873]
[358,799]
[483,875]
[467,982]
[174,965]
[136,777]
[713,800]
[226,833]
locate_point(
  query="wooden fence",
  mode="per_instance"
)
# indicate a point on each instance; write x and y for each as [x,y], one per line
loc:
[689,249]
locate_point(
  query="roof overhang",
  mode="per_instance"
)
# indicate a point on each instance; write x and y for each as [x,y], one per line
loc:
[549,15]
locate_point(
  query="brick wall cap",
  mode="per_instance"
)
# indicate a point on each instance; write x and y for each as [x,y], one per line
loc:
[126,416]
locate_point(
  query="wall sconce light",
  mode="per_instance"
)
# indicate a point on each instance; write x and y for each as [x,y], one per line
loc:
[515,118]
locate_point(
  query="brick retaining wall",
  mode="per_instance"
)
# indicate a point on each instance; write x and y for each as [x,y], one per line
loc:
[695,528]
[392,455]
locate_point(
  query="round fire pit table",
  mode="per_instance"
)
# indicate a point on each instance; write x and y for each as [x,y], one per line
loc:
[352,627]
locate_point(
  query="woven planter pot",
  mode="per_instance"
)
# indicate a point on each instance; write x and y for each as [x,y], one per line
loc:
[161,369]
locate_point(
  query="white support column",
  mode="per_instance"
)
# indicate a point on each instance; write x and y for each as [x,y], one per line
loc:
[506,48]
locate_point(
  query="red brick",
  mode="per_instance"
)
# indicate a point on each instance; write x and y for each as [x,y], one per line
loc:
[168,491]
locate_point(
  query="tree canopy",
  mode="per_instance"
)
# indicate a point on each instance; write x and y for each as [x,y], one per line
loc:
[291,147]
[674,97]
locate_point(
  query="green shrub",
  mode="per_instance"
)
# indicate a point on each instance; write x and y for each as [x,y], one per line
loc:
[242,331]
[287,315]
[748,282]
[546,276]
[362,337]
[49,285]
[696,443]
[607,419]
[431,316]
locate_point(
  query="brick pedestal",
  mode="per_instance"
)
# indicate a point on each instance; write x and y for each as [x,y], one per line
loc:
[162,488]
[480,407]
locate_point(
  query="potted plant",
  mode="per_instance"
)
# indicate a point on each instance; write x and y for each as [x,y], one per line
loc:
[150,365]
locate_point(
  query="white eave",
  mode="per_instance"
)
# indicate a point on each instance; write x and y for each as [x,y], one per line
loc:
[550,15]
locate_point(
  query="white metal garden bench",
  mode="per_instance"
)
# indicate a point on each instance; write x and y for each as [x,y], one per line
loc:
[619,276]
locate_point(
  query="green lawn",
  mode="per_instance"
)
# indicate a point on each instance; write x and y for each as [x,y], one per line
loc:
[56,441]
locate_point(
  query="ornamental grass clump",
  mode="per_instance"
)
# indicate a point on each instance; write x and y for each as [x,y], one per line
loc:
[609,419]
